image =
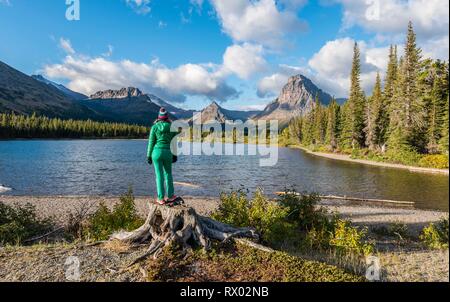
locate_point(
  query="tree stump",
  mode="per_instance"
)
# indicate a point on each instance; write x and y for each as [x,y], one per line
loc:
[180,225]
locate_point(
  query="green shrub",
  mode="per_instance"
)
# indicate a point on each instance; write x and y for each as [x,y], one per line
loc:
[104,222]
[435,235]
[397,229]
[437,161]
[19,223]
[293,218]
[303,210]
[348,239]
[268,218]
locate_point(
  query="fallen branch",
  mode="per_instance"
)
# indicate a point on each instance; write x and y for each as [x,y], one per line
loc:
[410,203]
[43,236]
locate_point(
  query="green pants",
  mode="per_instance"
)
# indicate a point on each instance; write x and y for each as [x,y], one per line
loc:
[162,160]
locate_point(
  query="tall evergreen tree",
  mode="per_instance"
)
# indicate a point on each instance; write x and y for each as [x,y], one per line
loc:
[373,118]
[443,143]
[407,109]
[388,94]
[333,125]
[353,134]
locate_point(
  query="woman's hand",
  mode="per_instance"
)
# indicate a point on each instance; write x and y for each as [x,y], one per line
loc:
[150,161]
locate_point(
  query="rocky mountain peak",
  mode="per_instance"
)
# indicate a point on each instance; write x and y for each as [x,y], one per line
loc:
[122,93]
[296,98]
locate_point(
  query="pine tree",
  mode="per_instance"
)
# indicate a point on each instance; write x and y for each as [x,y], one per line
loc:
[388,94]
[434,87]
[407,109]
[353,131]
[373,117]
[333,125]
[443,143]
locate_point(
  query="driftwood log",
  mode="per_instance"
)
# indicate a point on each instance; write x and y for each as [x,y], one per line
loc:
[180,225]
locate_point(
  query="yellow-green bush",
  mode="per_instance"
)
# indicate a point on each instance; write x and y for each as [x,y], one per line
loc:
[435,235]
[348,239]
[437,161]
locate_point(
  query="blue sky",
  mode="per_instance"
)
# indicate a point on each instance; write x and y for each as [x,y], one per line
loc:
[238,52]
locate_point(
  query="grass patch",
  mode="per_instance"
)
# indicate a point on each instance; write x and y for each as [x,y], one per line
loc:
[238,263]
[19,223]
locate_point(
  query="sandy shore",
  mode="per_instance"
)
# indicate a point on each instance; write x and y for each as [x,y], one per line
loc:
[406,262]
[343,157]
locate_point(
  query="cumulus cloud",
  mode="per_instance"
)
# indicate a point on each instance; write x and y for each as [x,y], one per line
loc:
[332,65]
[90,74]
[244,60]
[431,17]
[258,21]
[330,69]
[272,85]
[141,7]
[388,20]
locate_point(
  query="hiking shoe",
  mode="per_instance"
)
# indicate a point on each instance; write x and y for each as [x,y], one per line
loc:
[161,202]
[172,199]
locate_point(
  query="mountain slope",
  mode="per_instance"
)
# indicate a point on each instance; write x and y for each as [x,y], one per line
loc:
[70,93]
[296,98]
[215,113]
[127,105]
[175,111]
[22,94]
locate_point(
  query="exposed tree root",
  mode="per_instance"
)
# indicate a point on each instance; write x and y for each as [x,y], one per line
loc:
[180,225]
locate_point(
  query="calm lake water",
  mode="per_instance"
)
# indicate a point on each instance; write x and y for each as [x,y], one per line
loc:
[108,167]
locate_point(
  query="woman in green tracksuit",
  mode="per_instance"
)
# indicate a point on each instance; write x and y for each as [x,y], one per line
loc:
[159,153]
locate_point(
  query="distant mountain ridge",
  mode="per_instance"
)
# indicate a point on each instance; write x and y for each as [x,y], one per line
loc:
[215,113]
[23,94]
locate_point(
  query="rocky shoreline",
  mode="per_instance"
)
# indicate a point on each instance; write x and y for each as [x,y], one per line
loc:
[402,262]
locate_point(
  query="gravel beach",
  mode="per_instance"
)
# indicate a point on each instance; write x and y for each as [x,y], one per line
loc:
[406,262]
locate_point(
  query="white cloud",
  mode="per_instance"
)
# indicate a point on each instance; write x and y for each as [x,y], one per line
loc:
[141,7]
[66,45]
[437,48]
[388,19]
[244,60]
[272,85]
[430,17]
[88,75]
[258,21]
[332,65]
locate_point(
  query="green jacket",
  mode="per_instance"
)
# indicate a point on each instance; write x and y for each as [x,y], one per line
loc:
[160,137]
